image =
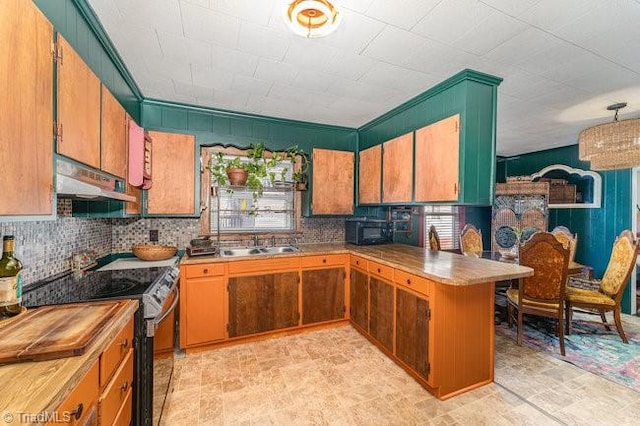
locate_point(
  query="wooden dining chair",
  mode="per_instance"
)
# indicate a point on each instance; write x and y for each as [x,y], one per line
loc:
[471,241]
[606,294]
[434,240]
[543,293]
[568,240]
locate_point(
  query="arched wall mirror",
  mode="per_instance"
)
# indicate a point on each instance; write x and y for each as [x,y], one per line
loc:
[571,188]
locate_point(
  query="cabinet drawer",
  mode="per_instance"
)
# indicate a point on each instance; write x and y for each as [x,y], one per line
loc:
[115,353]
[359,262]
[265,265]
[116,393]
[380,270]
[124,416]
[204,270]
[414,282]
[82,398]
[328,260]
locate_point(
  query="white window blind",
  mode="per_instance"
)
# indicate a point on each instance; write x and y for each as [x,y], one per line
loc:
[447,223]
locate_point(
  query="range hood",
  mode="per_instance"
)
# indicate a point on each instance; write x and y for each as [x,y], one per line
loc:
[81,183]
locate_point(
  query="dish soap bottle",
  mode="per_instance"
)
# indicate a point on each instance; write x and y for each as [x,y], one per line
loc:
[10,280]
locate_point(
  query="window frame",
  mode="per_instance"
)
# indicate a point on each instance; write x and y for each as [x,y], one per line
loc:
[456,216]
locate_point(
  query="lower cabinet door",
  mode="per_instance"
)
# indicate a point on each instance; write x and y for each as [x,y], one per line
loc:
[261,303]
[359,298]
[79,407]
[323,295]
[381,313]
[204,310]
[412,331]
[117,391]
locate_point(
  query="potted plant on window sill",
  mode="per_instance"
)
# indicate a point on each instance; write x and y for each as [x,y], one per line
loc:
[299,176]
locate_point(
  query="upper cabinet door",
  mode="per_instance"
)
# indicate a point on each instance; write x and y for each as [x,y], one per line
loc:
[332,182]
[173,166]
[113,136]
[370,175]
[397,171]
[26,121]
[78,107]
[437,152]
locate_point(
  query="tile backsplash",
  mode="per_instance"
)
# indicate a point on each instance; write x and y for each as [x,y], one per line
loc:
[45,247]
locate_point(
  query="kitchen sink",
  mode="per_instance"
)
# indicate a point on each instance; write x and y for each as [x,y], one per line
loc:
[257,251]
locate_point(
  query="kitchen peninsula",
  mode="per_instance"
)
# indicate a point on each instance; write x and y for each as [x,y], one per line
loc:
[429,311]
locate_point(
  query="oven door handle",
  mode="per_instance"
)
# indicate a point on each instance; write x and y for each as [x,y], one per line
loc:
[166,313]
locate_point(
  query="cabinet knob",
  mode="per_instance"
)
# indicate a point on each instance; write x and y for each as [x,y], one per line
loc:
[408,282]
[124,386]
[324,260]
[124,344]
[379,270]
[77,413]
[357,262]
[206,271]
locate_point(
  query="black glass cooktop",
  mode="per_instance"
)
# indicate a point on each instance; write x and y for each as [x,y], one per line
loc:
[91,285]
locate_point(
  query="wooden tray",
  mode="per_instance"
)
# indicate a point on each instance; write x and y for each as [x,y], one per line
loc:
[52,332]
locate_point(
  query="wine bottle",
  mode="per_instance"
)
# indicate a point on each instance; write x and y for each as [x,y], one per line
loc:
[10,280]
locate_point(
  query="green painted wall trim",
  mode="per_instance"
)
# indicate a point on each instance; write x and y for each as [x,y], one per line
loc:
[467,74]
[92,20]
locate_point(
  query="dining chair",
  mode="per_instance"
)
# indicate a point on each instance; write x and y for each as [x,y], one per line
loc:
[434,240]
[606,294]
[568,240]
[471,241]
[543,293]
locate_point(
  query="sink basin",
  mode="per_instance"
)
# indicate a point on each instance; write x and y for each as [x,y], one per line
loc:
[256,251]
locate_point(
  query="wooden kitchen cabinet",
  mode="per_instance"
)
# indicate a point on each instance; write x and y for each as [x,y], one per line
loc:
[397,170]
[381,312]
[359,298]
[437,161]
[332,182]
[370,175]
[323,295]
[113,151]
[173,174]
[78,107]
[412,331]
[261,303]
[202,313]
[82,402]
[26,122]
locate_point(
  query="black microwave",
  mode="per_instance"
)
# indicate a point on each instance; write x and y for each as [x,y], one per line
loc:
[368,231]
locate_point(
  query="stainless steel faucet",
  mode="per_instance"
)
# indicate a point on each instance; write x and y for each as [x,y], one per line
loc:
[273,240]
[256,240]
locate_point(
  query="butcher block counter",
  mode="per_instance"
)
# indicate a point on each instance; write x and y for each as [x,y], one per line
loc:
[440,266]
[34,391]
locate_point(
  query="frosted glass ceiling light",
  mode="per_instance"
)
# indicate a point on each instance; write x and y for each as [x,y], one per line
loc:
[614,145]
[312,18]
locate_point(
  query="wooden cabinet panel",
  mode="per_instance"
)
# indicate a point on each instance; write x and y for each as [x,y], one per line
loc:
[81,403]
[115,395]
[332,182]
[381,270]
[173,172]
[412,331]
[115,353]
[204,315]
[204,270]
[437,159]
[397,170]
[381,318]
[113,136]
[133,207]
[281,263]
[263,303]
[414,282]
[359,298]
[327,260]
[78,108]
[323,295]
[370,175]
[26,122]
[359,262]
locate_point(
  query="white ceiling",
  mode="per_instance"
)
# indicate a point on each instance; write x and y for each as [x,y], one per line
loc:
[562,61]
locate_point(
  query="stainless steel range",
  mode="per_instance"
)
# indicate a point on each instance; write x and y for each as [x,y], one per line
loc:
[154,284]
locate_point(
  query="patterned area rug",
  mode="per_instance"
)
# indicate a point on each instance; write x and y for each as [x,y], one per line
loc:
[590,347]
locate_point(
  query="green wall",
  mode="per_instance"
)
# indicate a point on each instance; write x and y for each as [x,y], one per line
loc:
[70,20]
[596,228]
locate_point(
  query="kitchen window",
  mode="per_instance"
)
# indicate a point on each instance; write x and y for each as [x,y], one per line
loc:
[446,219]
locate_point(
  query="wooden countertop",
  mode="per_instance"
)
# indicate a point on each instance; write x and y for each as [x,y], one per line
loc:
[37,387]
[440,266]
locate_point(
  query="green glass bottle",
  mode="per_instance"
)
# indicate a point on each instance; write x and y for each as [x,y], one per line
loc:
[10,280]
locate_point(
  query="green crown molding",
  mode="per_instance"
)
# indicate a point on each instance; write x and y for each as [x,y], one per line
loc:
[467,74]
[94,23]
[234,114]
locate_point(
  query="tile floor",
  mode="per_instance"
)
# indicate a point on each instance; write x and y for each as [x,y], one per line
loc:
[336,377]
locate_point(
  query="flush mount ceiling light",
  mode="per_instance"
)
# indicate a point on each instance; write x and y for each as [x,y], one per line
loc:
[312,18]
[614,145]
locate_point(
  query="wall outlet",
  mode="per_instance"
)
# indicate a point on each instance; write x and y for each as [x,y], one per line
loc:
[153,235]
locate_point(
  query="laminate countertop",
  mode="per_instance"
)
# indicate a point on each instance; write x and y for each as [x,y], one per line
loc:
[41,386]
[440,266]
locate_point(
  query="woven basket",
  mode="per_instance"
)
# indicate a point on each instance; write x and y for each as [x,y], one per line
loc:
[153,252]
